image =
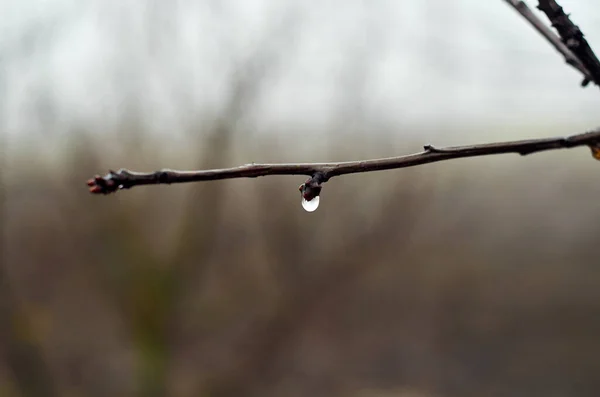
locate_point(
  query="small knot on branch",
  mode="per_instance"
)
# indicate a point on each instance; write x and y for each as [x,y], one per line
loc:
[313,186]
[163,176]
[433,149]
[109,183]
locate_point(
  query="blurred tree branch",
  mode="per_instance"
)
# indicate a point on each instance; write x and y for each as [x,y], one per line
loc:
[322,172]
[562,43]
[572,37]
[569,42]
[19,349]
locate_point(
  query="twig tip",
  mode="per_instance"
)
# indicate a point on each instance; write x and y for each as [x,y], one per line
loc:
[103,184]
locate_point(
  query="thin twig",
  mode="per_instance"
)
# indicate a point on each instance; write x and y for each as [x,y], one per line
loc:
[322,172]
[572,37]
[553,39]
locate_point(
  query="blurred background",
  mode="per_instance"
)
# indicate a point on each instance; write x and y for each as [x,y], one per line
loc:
[474,277]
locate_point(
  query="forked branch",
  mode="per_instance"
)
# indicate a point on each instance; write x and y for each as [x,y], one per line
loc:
[569,42]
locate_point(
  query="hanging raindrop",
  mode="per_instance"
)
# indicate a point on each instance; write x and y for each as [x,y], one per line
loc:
[310,191]
[311,205]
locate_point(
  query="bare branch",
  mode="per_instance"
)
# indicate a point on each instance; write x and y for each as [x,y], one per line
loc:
[322,172]
[554,39]
[572,37]
[570,44]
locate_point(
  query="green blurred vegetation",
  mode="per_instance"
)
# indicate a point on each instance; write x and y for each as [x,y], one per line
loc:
[466,278]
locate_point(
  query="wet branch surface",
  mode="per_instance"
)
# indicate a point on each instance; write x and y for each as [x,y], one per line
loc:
[569,41]
[322,172]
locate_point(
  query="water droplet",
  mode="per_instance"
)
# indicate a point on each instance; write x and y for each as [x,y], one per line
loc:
[311,205]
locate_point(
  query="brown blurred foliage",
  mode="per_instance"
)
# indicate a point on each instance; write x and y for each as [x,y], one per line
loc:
[476,277]
[469,278]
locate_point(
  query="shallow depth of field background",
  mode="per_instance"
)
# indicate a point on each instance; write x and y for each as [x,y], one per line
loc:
[475,277]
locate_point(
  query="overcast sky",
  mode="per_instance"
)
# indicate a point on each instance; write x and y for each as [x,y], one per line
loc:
[91,61]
